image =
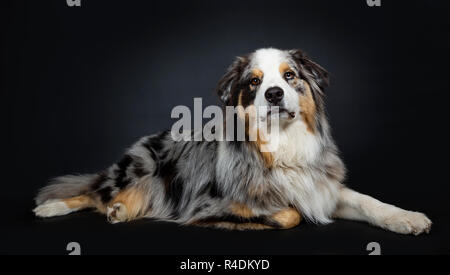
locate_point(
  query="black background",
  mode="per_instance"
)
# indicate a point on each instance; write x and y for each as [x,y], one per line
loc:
[79,85]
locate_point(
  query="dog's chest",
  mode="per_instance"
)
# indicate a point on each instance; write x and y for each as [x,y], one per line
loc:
[295,146]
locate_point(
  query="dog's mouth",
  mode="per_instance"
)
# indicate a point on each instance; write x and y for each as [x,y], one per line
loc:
[279,111]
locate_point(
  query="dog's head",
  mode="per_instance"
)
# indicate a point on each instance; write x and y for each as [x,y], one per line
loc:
[288,80]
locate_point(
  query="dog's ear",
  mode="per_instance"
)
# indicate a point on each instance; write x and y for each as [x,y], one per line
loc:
[310,69]
[231,79]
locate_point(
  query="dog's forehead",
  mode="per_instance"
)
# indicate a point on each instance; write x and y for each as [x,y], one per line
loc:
[269,60]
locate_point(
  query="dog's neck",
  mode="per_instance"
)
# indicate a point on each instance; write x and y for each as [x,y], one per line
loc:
[292,145]
[296,145]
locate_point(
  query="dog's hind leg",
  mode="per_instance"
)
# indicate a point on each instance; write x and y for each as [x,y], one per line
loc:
[127,205]
[66,195]
[74,193]
[60,207]
[242,218]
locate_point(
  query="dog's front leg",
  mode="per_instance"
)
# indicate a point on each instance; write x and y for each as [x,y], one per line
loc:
[355,206]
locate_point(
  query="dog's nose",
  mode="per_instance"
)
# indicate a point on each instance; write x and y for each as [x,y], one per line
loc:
[274,95]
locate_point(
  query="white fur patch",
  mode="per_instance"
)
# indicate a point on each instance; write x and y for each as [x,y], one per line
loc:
[296,145]
[52,208]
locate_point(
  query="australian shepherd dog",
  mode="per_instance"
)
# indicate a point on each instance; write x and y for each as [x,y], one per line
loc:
[234,184]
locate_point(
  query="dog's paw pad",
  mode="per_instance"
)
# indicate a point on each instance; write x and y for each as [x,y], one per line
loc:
[117,213]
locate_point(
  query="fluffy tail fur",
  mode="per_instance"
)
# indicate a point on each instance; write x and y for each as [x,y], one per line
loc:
[65,187]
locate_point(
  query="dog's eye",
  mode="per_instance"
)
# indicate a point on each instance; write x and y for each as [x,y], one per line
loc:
[289,75]
[255,81]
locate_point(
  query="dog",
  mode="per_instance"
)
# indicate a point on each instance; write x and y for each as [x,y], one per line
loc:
[234,184]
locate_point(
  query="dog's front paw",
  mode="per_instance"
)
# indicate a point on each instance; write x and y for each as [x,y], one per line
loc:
[117,213]
[408,222]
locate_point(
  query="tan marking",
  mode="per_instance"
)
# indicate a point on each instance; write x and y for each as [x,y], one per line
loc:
[249,114]
[257,73]
[308,108]
[287,218]
[133,199]
[79,202]
[266,156]
[284,67]
[241,210]
[83,202]
[240,108]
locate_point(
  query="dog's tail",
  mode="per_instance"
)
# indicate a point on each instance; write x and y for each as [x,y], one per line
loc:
[65,187]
